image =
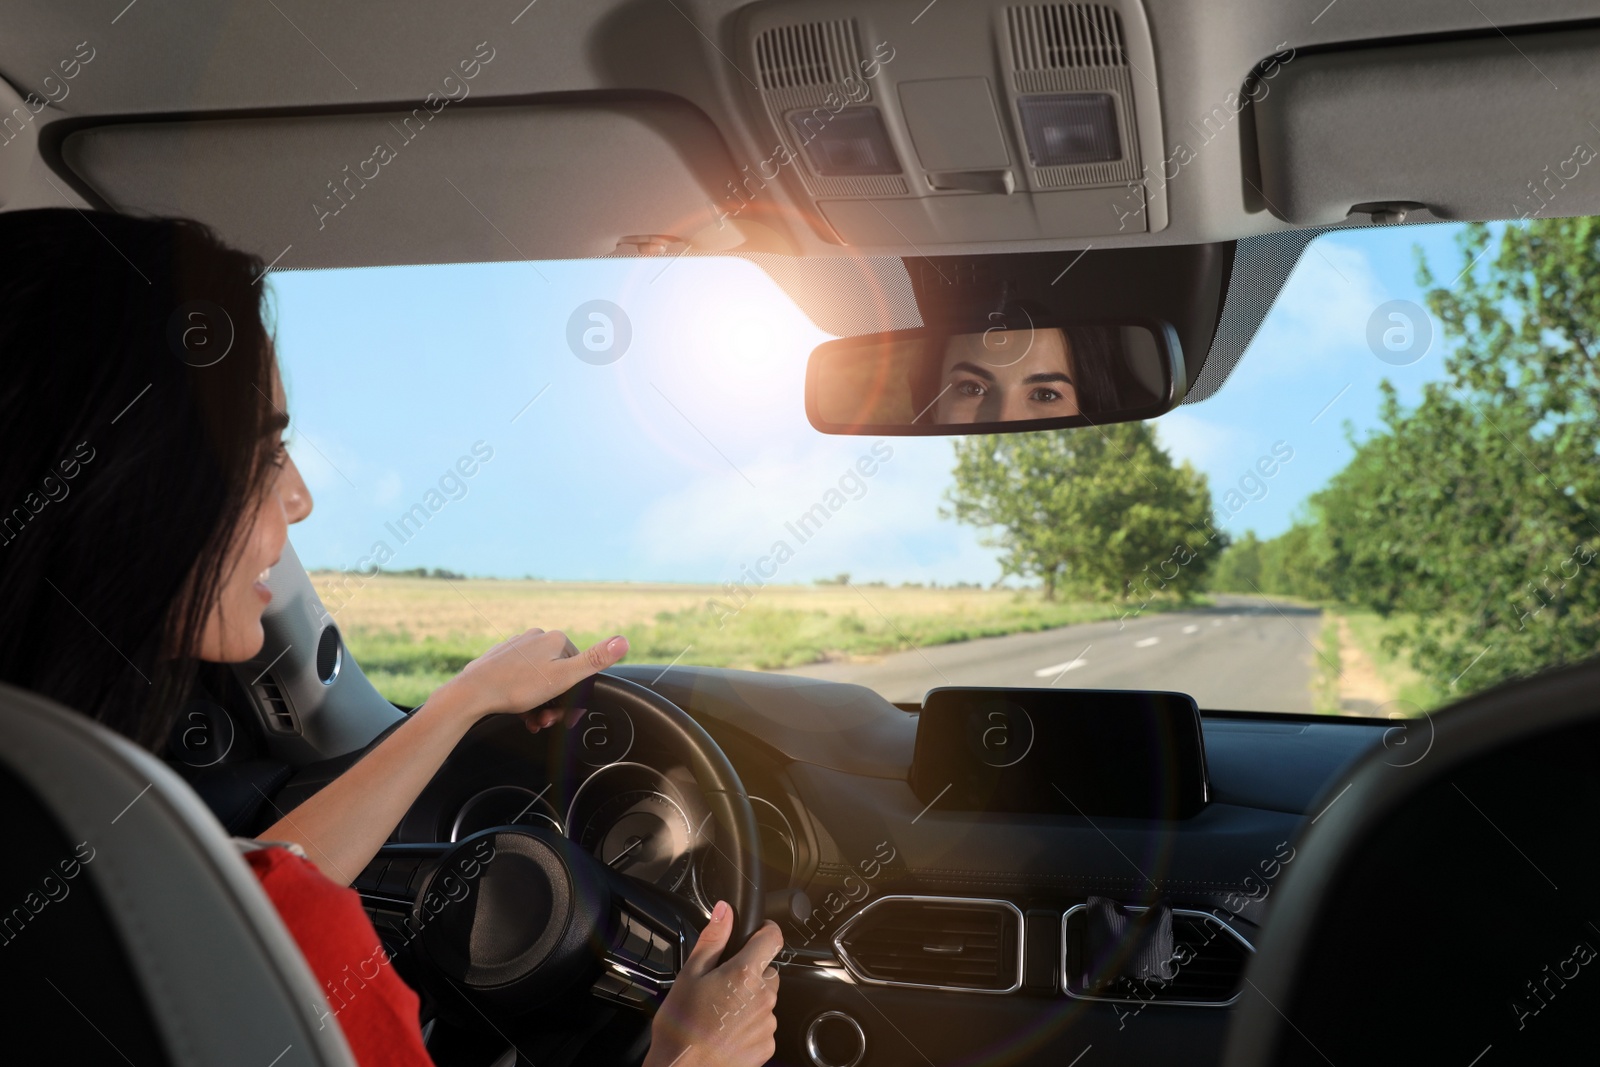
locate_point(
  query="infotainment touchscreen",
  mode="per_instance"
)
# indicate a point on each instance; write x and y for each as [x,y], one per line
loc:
[1089,752]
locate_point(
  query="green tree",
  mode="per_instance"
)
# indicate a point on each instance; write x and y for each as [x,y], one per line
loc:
[1475,512]
[1238,569]
[1102,512]
[1295,562]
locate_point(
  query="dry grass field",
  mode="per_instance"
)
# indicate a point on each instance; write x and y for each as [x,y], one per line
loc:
[411,634]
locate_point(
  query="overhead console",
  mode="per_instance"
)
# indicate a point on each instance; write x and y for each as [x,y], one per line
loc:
[896,137]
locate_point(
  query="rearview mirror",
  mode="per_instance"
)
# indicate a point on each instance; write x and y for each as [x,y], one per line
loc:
[996,380]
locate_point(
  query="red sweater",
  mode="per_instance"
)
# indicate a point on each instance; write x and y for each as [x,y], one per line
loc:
[366,999]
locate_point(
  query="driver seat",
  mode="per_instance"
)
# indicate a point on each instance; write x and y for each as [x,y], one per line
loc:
[130,928]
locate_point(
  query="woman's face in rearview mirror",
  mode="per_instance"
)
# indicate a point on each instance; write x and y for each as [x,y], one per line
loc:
[1006,376]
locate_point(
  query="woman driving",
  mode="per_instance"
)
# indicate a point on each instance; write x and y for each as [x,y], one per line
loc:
[148,493]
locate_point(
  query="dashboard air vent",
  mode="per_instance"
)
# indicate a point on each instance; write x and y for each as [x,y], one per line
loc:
[816,53]
[1209,958]
[280,716]
[935,942]
[1065,37]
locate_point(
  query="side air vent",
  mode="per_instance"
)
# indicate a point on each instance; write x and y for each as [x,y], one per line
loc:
[813,81]
[280,717]
[935,943]
[1072,95]
[1209,957]
[817,53]
[1065,37]
[330,655]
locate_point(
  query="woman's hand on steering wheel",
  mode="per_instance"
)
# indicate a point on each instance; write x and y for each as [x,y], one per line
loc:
[524,673]
[720,1016]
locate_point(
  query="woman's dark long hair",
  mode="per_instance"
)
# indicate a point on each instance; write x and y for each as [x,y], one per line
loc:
[1096,360]
[136,432]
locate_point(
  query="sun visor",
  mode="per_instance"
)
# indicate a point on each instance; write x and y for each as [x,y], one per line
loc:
[452,184]
[1491,127]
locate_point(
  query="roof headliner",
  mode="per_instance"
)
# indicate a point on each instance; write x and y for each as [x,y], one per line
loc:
[285,57]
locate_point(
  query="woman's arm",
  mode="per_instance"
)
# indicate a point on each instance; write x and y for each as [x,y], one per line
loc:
[344,824]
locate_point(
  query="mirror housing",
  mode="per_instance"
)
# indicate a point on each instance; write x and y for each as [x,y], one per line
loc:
[1046,373]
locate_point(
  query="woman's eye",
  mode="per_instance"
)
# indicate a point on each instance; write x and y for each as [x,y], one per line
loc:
[970,388]
[1044,395]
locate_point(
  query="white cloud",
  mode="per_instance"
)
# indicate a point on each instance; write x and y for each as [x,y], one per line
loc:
[888,526]
[1321,315]
[1202,442]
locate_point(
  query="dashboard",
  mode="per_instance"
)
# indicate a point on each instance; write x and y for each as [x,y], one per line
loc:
[897,908]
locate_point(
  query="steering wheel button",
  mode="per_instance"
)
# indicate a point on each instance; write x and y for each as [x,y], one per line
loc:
[636,945]
[611,985]
[660,953]
[372,877]
[418,875]
[396,881]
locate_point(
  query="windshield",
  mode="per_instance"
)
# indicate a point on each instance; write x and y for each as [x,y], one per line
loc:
[1384,508]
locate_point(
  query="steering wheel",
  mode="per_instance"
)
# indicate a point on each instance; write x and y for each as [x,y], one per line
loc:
[513,918]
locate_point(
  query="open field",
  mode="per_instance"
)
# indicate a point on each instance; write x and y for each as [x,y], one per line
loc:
[412,634]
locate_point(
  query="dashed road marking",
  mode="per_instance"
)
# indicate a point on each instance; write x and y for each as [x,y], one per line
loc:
[1061,668]
[1147,642]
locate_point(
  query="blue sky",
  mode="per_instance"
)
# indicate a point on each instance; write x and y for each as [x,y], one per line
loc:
[684,458]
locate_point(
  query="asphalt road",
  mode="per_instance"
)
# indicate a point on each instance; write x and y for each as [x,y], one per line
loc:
[1244,654]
